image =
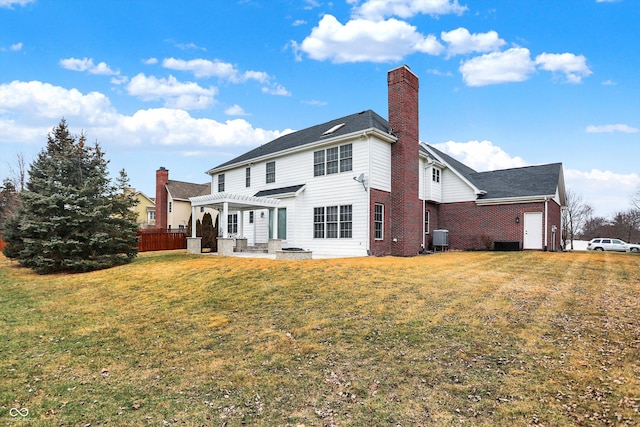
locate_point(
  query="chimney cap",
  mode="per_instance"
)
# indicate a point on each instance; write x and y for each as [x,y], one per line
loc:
[162,168]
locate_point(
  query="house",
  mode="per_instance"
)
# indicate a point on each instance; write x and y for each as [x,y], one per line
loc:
[362,185]
[145,210]
[173,207]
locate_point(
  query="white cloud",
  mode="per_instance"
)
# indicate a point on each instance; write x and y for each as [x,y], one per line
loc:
[150,61]
[176,94]
[16,47]
[10,3]
[512,65]
[203,68]
[361,40]
[299,22]
[612,128]
[480,155]
[461,41]
[41,103]
[235,110]
[216,68]
[86,64]
[574,67]
[185,46]
[276,89]
[379,9]
[29,110]
[315,103]
[607,192]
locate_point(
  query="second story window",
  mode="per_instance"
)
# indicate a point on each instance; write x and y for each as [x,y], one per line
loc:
[333,160]
[435,175]
[221,183]
[247,177]
[271,172]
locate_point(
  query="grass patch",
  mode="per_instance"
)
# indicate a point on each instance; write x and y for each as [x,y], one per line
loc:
[527,338]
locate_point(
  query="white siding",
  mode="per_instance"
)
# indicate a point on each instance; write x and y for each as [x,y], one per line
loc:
[430,190]
[455,189]
[380,171]
[321,191]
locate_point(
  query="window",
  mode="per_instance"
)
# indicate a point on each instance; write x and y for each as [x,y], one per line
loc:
[426,221]
[333,160]
[201,208]
[345,157]
[271,172]
[247,177]
[250,217]
[333,222]
[318,223]
[435,175]
[170,206]
[346,221]
[232,223]
[318,163]
[378,221]
[221,183]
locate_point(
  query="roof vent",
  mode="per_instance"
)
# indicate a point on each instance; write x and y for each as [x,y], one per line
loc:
[333,129]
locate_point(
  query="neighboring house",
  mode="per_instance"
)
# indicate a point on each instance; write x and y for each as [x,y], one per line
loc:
[173,207]
[362,185]
[145,210]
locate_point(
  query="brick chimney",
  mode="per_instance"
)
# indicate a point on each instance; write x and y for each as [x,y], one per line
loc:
[406,208]
[162,177]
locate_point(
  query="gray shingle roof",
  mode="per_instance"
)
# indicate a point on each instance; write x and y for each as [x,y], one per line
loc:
[353,123]
[183,190]
[276,191]
[527,181]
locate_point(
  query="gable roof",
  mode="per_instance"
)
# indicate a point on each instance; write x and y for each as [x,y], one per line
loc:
[180,190]
[529,181]
[524,182]
[350,124]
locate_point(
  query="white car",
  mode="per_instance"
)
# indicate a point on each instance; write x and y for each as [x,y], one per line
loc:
[607,244]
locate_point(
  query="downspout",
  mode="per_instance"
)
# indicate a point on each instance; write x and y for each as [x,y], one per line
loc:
[546,223]
[368,138]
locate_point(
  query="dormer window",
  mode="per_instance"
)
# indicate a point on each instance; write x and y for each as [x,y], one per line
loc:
[435,175]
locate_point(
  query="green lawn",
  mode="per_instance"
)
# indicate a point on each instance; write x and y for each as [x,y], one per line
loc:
[460,338]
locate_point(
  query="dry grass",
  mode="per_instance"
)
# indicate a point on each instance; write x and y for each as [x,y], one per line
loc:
[524,338]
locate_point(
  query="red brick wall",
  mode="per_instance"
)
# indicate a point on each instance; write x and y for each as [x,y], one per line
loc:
[162,177]
[473,227]
[406,206]
[380,247]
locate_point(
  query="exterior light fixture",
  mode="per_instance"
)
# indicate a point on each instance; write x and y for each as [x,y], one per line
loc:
[517,219]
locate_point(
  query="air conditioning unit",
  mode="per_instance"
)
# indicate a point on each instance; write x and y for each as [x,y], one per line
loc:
[440,238]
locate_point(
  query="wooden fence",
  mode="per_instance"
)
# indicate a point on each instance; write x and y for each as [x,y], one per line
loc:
[151,240]
[161,240]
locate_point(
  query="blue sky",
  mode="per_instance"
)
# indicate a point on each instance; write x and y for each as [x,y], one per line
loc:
[190,84]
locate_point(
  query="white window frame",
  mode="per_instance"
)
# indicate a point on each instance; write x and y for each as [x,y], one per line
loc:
[378,221]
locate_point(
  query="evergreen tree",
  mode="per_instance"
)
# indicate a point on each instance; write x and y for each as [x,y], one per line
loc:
[207,231]
[9,201]
[72,218]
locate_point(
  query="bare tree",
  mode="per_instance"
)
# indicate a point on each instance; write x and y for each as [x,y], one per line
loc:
[18,172]
[635,199]
[626,225]
[574,216]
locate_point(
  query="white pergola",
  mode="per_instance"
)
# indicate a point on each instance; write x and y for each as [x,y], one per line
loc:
[224,202]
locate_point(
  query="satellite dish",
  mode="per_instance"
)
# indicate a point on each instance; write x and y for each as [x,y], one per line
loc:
[360,179]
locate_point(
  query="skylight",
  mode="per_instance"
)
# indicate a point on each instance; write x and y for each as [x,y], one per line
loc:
[333,129]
